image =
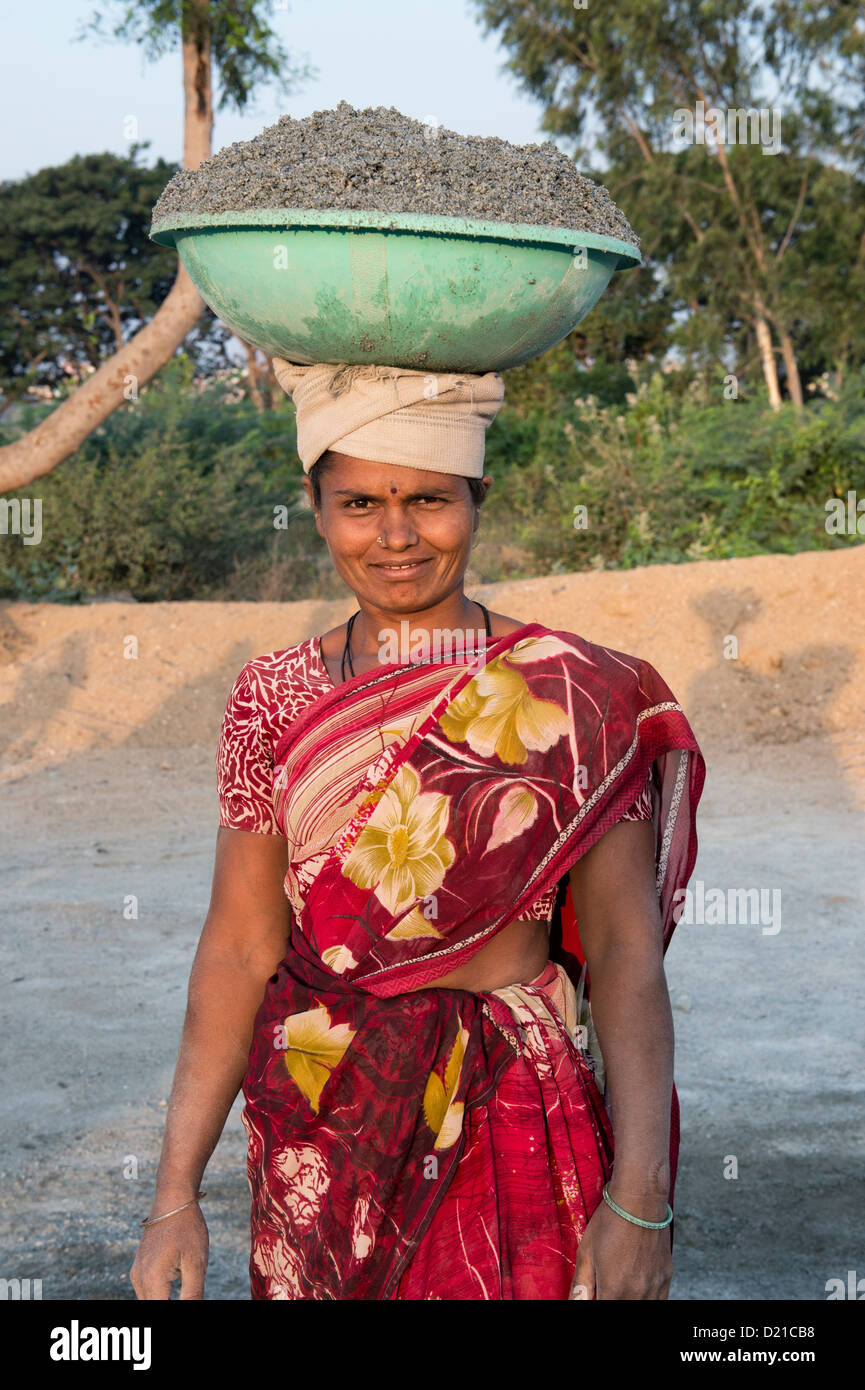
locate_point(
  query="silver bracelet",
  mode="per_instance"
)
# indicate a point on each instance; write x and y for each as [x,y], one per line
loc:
[636,1220]
[151,1220]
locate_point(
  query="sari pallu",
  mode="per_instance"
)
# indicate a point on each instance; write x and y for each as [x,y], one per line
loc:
[424,806]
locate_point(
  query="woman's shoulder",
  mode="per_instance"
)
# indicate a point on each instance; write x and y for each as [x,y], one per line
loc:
[286,663]
[503,626]
[537,631]
[595,662]
[277,685]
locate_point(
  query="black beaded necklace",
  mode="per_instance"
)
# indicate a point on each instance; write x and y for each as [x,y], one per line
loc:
[346,651]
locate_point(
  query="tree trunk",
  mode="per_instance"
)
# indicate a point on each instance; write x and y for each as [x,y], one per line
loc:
[767,357]
[116,381]
[253,373]
[60,434]
[197,97]
[794,382]
[274,390]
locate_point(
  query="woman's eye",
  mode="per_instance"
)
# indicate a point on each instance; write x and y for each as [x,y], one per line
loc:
[362,503]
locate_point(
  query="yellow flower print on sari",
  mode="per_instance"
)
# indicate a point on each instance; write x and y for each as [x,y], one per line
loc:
[403,853]
[339,958]
[414,925]
[313,1048]
[496,712]
[443,1114]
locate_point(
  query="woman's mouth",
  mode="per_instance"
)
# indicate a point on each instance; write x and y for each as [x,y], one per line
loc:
[401,569]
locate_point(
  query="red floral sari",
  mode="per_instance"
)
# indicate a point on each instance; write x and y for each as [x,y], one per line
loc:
[424,806]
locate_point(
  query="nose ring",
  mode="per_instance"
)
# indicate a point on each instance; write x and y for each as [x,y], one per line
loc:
[379,539]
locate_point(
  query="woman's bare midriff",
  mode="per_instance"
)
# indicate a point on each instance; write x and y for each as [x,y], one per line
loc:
[515,956]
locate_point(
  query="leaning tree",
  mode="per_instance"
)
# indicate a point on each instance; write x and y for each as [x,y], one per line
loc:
[231,38]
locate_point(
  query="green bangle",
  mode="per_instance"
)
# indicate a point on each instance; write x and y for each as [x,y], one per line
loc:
[649,1225]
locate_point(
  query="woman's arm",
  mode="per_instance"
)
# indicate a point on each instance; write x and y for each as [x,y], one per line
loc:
[616,904]
[242,943]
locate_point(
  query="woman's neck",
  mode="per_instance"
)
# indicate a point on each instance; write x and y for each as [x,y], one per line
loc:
[375,626]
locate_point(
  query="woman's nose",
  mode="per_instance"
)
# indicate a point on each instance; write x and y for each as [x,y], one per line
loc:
[397,530]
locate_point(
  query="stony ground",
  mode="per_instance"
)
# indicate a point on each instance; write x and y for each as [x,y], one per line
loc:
[109,791]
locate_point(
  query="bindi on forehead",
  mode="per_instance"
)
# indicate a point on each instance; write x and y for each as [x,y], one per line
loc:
[392,489]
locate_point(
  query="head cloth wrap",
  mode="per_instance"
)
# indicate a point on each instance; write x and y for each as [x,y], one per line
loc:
[432,420]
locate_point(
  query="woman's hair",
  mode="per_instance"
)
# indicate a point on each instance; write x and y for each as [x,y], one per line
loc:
[319,468]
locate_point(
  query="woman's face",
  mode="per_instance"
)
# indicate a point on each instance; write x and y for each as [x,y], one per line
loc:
[425,519]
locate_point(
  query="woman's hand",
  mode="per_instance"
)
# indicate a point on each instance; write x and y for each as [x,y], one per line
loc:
[616,903]
[616,1259]
[169,1250]
[241,946]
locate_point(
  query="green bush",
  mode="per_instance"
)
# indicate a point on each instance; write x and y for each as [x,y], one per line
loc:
[168,500]
[667,478]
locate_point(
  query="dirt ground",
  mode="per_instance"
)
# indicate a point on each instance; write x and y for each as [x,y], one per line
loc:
[107,789]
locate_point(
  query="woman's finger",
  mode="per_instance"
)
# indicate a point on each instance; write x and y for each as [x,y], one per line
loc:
[155,1285]
[583,1286]
[192,1270]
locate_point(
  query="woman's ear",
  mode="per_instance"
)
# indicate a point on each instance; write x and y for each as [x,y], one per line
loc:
[308,489]
[487,482]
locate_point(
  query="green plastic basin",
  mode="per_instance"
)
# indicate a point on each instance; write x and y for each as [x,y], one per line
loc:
[406,290]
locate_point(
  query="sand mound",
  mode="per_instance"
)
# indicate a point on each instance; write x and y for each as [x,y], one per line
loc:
[66,685]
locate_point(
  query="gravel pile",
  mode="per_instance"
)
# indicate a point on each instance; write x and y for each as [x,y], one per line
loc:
[379,160]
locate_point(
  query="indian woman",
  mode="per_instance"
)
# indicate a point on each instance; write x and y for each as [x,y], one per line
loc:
[450,853]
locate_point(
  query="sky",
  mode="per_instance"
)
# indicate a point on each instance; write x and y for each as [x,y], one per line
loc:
[59,97]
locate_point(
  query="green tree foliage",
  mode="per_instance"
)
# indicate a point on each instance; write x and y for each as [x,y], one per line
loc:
[740,246]
[161,500]
[81,273]
[677,473]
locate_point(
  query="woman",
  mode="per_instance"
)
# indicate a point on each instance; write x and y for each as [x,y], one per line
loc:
[425,1088]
